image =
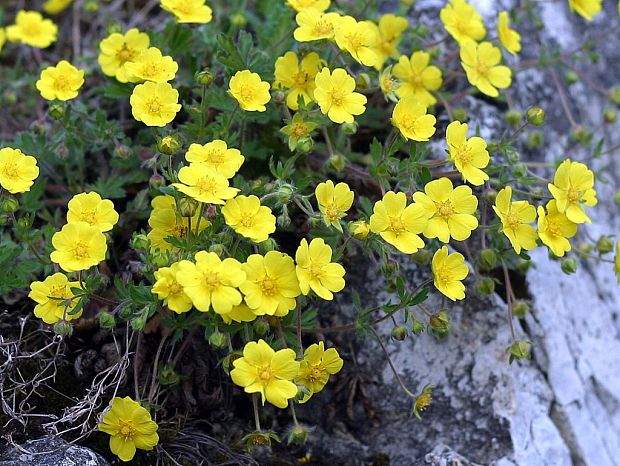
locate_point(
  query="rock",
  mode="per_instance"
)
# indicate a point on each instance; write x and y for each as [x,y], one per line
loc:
[51,451]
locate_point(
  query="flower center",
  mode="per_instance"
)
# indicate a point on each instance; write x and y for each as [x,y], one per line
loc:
[315,373]
[444,209]
[265,374]
[206,185]
[443,275]
[61,84]
[215,157]
[268,286]
[396,226]
[81,251]
[463,154]
[332,214]
[388,84]
[88,216]
[299,130]
[415,80]
[300,79]
[337,97]
[126,429]
[31,28]
[553,227]
[247,92]
[316,271]
[10,169]
[151,69]
[355,40]
[154,106]
[178,230]
[174,288]
[512,220]
[323,27]
[482,69]
[247,220]
[573,195]
[212,281]
[125,54]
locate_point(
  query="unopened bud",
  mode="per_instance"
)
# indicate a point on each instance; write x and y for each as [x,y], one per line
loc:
[422,257]
[139,242]
[238,19]
[513,118]
[512,155]
[519,350]
[169,145]
[617,197]
[536,116]
[217,339]
[417,326]
[157,181]
[614,95]
[337,162]
[114,27]
[187,207]
[520,308]
[218,249]
[298,435]
[261,327]
[91,6]
[399,333]
[362,81]
[122,151]
[439,324]
[535,139]
[519,170]
[610,116]
[571,77]
[62,327]
[204,77]
[485,286]
[349,128]
[489,196]
[359,229]
[604,245]
[9,205]
[304,145]
[268,245]
[56,111]
[285,192]
[460,114]
[569,266]
[279,97]
[106,320]
[487,259]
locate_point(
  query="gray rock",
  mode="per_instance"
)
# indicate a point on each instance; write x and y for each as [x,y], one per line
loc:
[51,451]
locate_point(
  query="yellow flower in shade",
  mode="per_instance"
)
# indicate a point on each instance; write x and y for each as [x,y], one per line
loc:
[586,8]
[358,38]
[271,285]
[250,91]
[450,210]
[388,34]
[573,189]
[316,271]
[411,119]
[154,104]
[297,77]
[167,223]
[617,258]
[53,7]
[130,426]
[316,367]
[554,228]
[211,282]
[469,156]
[268,372]
[204,184]
[53,297]
[462,21]
[217,156]
[32,29]
[169,290]
[448,272]
[300,5]
[78,246]
[360,229]
[516,218]
[509,38]
[240,313]
[336,97]
[334,201]
[188,11]
[60,82]
[481,64]
[297,129]
[17,170]
[151,65]
[417,78]
[399,224]
[388,84]
[313,24]
[90,208]
[247,217]
[117,50]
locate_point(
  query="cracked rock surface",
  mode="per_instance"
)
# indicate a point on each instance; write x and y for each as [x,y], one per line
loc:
[50,451]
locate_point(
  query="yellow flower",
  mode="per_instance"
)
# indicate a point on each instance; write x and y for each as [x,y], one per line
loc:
[240,313]
[52,296]
[417,78]
[117,50]
[60,82]
[410,117]
[169,290]
[250,91]
[516,218]
[217,156]
[17,170]
[358,38]
[268,372]
[388,84]
[481,64]
[334,201]
[573,189]
[398,223]
[462,21]
[388,34]
[90,208]
[188,11]
[509,38]
[53,7]
[315,270]
[297,77]
[166,223]
[130,426]
[204,184]
[248,218]
[316,367]
[32,29]
[450,210]
[469,155]
[313,24]
[448,272]
[154,104]
[78,246]
[335,95]
[271,285]
[151,65]
[300,5]
[554,228]
[359,229]
[211,282]
[297,129]
[586,8]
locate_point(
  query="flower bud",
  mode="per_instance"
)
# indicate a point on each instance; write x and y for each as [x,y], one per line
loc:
[487,259]
[9,205]
[114,27]
[261,327]
[536,116]
[523,265]
[485,286]
[362,81]
[513,118]
[62,327]
[204,77]
[519,350]
[285,192]
[238,20]
[160,260]
[439,324]
[168,376]
[168,145]
[359,229]
[604,245]
[304,145]
[610,116]
[298,435]
[106,320]
[91,6]
[571,77]
[122,151]
[279,97]
[4,219]
[585,248]
[535,140]
[337,162]
[56,110]
[138,323]
[139,242]
[268,245]
[460,114]
[581,135]
[512,155]
[283,220]
[422,257]
[417,326]
[520,308]
[399,333]
[157,181]
[569,266]
[349,128]
[10,97]
[489,196]
[217,339]
[617,198]
[614,95]
[187,207]
[39,127]
[218,249]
